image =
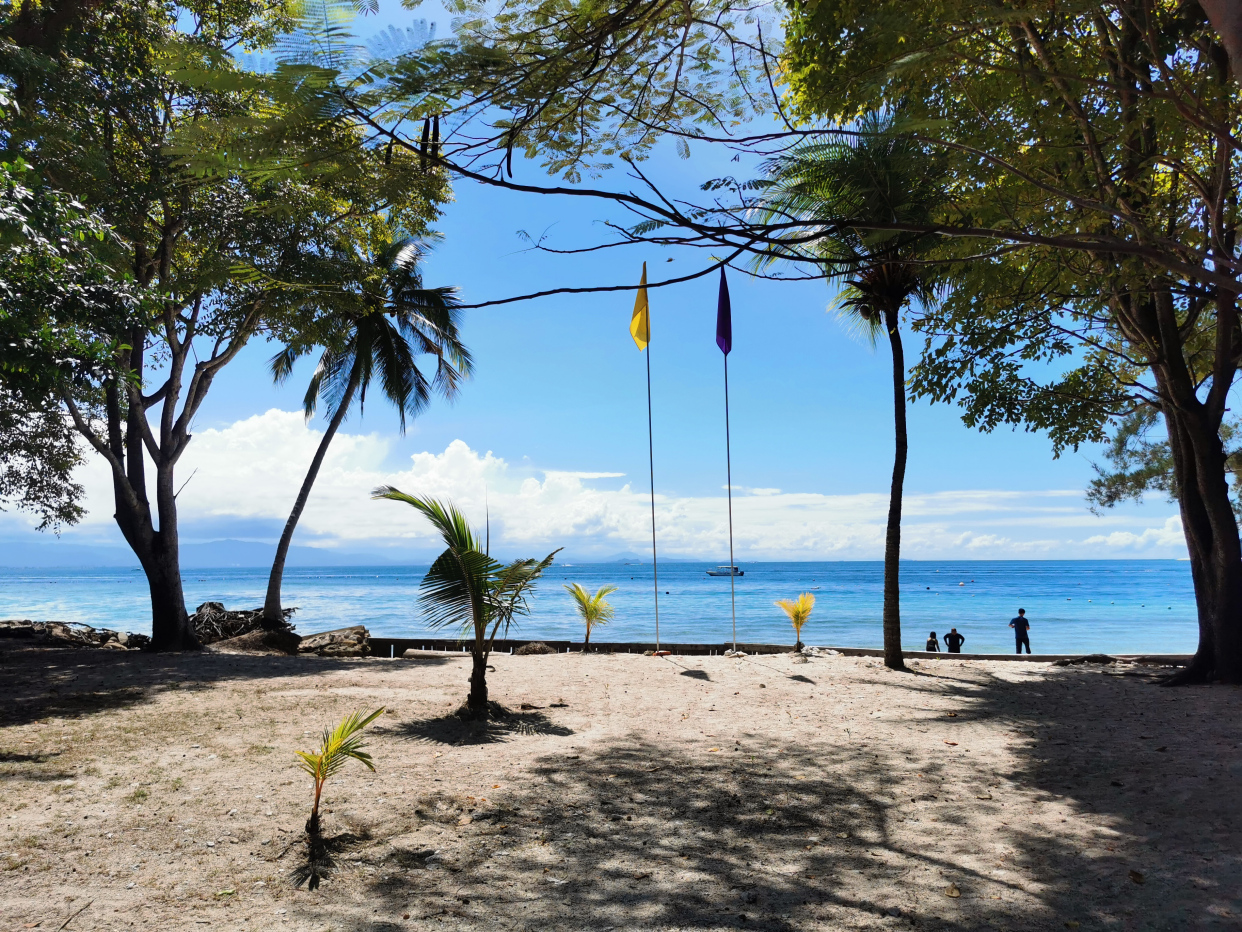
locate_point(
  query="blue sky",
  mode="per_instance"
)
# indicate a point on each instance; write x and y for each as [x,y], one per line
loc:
[559,402]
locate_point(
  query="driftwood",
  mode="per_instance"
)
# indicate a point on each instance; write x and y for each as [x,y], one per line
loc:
[213,622]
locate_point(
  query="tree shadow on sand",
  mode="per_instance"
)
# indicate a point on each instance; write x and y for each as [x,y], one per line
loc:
[39,682]
[772,834]
[503,724]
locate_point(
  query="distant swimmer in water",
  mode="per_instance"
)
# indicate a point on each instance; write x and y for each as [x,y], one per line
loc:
[954,641]
[933,646]
[1021,625]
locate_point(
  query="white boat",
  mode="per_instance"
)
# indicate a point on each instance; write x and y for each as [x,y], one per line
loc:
[726,571]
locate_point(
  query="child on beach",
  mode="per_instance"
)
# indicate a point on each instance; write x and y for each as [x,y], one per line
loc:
[954,641]
[933,646]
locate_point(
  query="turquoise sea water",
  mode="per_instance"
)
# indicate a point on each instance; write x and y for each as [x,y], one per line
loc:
[1075,606]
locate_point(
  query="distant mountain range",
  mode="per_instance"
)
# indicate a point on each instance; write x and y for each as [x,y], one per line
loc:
[244,553]
[213,554]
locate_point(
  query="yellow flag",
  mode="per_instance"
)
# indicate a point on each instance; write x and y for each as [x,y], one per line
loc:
[640,323]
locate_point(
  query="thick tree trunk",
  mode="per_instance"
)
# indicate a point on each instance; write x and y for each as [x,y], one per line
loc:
[476,702]
[158,553]
[892,536]
[1213,543]
[273,617]
[157,550]
[1226,18]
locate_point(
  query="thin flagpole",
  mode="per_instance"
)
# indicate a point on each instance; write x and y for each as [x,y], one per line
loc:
[729,474]
[651,460]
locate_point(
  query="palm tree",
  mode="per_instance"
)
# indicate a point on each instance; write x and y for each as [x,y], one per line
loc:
[466,588]
[378,327]
[799,612]
[879,175]
[592,609]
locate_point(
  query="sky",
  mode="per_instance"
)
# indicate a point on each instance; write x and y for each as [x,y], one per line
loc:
[550,436]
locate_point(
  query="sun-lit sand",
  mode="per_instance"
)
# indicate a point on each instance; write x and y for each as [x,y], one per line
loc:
[146,792]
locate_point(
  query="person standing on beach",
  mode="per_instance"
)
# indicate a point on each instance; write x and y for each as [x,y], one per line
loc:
[954,641]
[933,646]
[1020,627]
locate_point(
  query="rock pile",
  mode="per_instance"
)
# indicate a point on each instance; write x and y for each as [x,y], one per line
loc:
[534,647]
[227,631]
[71,634]
[354,641]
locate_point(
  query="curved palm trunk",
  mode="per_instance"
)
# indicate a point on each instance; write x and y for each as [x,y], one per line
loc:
[273,617]
[892,537]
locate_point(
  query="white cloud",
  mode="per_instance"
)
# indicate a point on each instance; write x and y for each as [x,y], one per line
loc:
[252,470]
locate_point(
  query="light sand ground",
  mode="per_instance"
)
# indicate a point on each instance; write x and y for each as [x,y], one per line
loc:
[675,793]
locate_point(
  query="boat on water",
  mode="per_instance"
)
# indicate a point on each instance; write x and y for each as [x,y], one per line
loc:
[726,571]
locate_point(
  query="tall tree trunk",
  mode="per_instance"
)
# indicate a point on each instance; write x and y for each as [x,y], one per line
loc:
[1214,547]
[273,617]
[892,536]
[587,641]
[1199,471]
[157,550]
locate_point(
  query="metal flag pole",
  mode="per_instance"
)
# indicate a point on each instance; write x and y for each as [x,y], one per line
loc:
[724,340]
[729,475]
[655,572]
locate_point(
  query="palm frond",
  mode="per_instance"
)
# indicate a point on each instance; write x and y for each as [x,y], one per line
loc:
[339,745]
[446,518]
[798,610]
[455,592]
[593,609]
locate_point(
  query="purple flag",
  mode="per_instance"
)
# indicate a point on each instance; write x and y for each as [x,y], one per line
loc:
[724,317]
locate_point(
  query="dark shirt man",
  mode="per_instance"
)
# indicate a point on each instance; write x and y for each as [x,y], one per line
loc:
[933,646]
[1020,627]
[954,641]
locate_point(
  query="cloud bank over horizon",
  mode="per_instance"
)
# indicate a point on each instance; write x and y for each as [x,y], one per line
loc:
[241,481]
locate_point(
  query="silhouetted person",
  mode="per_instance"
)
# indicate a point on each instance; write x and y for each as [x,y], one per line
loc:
[1020,627]
[933,646]
[953,641]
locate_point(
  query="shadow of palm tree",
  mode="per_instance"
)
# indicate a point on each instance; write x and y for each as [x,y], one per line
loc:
[456,729]
[318,857]
[639,833]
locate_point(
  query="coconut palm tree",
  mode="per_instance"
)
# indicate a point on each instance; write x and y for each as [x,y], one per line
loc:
[466,588]
[799,612]
[376,329]
[879,174]
[592,609]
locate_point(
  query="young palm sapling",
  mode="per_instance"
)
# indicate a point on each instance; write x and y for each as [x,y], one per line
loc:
[799,611]
[339,745]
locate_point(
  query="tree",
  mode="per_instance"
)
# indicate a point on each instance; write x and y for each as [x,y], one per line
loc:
[592,609]
[379,324]
[875,175]
[113,102]
[799,612]
[55,296]
[1093,205]
[466,588]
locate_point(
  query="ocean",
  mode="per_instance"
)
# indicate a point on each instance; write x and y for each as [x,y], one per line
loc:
[1117,606]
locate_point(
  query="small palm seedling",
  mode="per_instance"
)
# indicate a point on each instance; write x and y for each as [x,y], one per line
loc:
[592,609]
[339,745]
[799,611]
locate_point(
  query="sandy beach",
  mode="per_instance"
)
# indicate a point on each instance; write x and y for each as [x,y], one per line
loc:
[161,792]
